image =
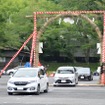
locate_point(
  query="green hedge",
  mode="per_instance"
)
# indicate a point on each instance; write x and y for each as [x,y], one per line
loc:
[52,66]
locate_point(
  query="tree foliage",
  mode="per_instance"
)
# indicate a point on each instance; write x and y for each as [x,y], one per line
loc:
[14,25]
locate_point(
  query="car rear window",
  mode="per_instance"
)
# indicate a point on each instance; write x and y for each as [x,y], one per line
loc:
[84,70]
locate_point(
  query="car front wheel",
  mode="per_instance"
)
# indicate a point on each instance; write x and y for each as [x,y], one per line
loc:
[46,90]
[38,90]
[9,93]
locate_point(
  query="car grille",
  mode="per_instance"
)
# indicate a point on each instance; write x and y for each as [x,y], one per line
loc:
[21,83]
[66,81]
[23,88]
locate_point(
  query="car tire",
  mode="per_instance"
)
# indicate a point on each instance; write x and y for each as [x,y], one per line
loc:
[9,93]
[76,81]
[92,78]
[38,90]
[89,78]
[46,91]
[11,73]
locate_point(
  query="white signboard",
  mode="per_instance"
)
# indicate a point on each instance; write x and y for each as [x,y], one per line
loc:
[98,48]
[40,47]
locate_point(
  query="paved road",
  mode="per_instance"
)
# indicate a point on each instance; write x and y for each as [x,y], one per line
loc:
[80,95]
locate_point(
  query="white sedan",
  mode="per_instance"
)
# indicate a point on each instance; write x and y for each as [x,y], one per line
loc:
[28,80]
[66,75]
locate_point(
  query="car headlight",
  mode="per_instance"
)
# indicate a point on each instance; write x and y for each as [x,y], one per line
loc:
[11,82]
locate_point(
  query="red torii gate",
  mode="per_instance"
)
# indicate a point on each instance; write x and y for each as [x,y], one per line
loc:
[34,36]
[66,12]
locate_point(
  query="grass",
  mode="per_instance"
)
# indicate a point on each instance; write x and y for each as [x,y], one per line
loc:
[52,66]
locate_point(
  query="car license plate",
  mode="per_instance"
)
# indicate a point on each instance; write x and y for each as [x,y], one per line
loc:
[82,77]
[20,88]
[63,81]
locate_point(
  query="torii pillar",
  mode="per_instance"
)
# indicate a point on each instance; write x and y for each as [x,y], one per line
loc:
[34,50]
[103,54]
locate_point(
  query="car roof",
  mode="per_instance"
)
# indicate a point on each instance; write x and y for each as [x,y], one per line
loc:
[65,67]
[85,69]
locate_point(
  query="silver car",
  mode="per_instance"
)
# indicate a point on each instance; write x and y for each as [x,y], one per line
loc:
[66,75]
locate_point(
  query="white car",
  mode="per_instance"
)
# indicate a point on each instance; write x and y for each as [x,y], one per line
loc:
[28,80]
[66,75]
[2,72]
[13,70]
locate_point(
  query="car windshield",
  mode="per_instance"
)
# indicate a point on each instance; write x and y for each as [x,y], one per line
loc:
[26,73]
[83,70]
[65,72]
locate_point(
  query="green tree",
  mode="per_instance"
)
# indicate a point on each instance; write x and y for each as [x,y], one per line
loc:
[15,27]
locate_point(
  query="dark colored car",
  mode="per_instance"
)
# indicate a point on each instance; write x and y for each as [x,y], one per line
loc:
[85,74]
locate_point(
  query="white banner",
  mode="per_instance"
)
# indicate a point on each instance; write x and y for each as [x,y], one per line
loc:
[40,47]
[98,48]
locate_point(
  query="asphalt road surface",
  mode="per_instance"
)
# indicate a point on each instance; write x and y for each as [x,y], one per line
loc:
[79,95]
